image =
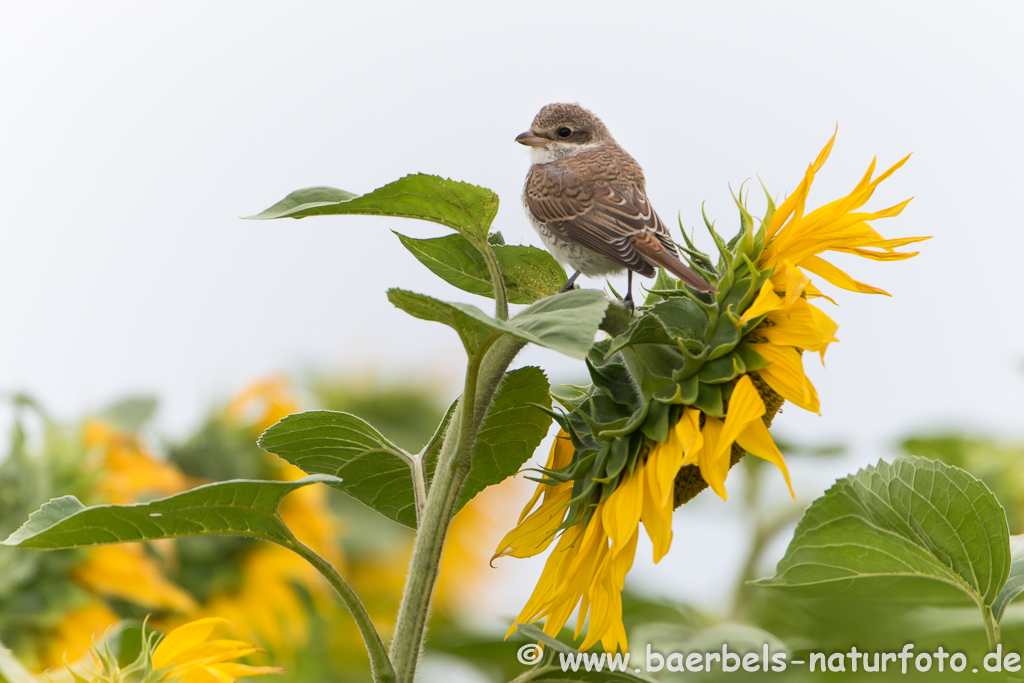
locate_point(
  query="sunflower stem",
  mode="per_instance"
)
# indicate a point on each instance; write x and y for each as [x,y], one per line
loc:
[380,664]
[991,628]
[483,374]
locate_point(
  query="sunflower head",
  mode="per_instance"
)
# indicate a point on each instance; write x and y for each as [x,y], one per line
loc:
[187,654]
[684,391]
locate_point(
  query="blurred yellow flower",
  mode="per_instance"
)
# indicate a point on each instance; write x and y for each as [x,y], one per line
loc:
[76,632]
[191,657]
[126,573]
[263,403]
[129,472]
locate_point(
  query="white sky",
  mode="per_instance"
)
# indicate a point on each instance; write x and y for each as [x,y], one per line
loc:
[133,136]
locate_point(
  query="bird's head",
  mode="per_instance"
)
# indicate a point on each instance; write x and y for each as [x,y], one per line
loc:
[561,130]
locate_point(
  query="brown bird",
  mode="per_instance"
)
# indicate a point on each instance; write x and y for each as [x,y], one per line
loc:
[585,197]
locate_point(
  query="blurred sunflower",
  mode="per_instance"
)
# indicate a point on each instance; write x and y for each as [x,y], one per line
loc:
[261,588]
[726,364]
[58,603]
[186,654]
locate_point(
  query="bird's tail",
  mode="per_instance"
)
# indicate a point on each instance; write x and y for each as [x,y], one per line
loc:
[651,249]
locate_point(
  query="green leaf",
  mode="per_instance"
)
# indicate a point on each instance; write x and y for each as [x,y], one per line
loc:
[466,208]
[566,322]
[722,370]
[915,523]
[374,471]
[510,432]
[1014,582]
[709,399]
[229,508]
[472,324]
[647,329]
[529,273]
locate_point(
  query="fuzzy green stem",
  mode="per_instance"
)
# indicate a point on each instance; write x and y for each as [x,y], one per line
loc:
[380,664]
[454,460]
[991,628]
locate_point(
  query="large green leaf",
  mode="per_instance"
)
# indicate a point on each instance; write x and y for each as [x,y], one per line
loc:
[465,208]
[529,273]
[373,470]
[472,325]
[566,322]
[1015,581]
[915,522]
[230,508]
[510,432]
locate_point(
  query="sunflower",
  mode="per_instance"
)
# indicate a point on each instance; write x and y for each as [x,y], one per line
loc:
[690,386]
[186,654]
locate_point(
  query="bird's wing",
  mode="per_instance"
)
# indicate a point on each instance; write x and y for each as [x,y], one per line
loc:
[601,216]
[609,213]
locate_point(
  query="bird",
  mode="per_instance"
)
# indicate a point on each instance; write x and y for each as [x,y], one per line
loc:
[586,198]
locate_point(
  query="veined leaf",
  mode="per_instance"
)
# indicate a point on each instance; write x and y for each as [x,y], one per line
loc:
[466,208]
[1015,581]
[472,324]
[529,273]
[565,322]
[912,521]
[510,432]
[374,471]
[229,508]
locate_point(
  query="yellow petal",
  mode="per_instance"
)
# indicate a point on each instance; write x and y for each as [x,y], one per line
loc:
[560,456]
[786,376]
[710,457]
[184,638]
[756,440]
[657,513]
[622,511]
[765,302]
[837,277]
[688,429]
[802,326]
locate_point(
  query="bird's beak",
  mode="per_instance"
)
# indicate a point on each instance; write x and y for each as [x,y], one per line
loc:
[530,139]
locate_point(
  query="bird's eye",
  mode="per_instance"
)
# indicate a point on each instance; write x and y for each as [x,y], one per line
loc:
[564,132]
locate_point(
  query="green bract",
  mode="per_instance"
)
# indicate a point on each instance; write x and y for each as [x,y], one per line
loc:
[681,348]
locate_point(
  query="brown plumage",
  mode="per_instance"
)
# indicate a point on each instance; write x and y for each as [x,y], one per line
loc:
[586,198]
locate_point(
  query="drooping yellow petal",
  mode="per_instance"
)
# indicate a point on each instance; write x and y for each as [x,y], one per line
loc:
[621,513]
[756,440]
[837,277]
[688,429]
[536,529]
[657,512]
[560,456]
[786,376]
[802,325]
[710,458]
[665,460]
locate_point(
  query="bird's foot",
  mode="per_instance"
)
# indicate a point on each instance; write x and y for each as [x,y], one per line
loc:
[570,284]
[627,303]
